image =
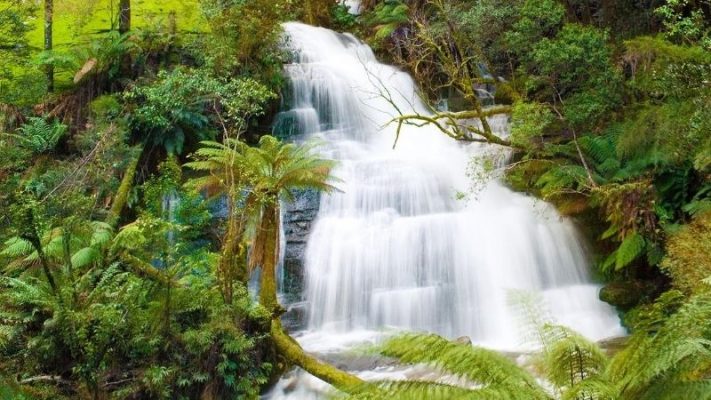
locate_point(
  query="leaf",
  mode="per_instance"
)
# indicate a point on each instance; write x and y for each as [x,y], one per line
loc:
[629,250]
[84,257]
[16,247]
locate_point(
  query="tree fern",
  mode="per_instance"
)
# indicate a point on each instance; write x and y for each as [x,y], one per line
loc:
[677,353]
[40,136]
[570,363]
[486,373]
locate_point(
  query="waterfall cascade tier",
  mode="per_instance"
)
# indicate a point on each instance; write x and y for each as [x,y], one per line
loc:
[396,247]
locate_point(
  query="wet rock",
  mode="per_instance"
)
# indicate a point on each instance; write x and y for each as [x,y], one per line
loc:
[624,295]
[295,317]
[354,361]
[463,340]
[299,216]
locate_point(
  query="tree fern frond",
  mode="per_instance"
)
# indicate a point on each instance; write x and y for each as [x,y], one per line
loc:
[418,390]
[85,256]
[481,366]
[102,233]
[591,388]
[572,359]
[17,247]
[697,390]
[677,351]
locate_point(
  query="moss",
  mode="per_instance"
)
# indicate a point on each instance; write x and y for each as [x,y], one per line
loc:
[627,294]
[688,259]
[121,197]
[291,350]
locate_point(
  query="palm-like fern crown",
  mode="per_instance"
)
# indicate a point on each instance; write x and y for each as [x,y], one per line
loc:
[269,171]
[278,168]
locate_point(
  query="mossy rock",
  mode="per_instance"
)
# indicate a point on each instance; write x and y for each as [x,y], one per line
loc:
[624,295]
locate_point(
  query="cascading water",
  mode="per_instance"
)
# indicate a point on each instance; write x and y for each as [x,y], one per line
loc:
[396,248]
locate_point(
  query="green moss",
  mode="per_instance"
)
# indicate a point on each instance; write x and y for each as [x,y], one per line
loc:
[688,259]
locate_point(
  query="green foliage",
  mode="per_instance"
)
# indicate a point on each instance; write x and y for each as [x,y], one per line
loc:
[105,108]
[111,317]
[537,19]
[688,258]
[20,81]
[666,358]
[630,248]
[387,17]
[40,136]
[662,69]
[577,64]
[179,107]
[684,21]
[342,18]
[108,50]
[529,121]
[488,25]
[668,362]
[244,39]
[490,375]
[271,170]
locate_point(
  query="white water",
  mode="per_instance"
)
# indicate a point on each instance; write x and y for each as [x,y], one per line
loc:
[396,249]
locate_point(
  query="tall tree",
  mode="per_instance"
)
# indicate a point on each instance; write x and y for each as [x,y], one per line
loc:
[124,27]
[48,41]
[124,16]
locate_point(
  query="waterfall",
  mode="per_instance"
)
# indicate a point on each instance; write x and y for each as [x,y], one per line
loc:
[396,248]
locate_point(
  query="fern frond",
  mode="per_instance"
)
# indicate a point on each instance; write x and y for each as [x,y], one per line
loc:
[17,247]
[480,366]
[85,256]
[416,390]
[630,248]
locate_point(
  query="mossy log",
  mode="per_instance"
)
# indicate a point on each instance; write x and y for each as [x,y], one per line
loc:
[295,354]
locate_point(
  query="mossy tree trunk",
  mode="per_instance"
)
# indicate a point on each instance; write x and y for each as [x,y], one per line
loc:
[124,16]
[268,239]
[121,197]
[232,267]
[48,41]
[267,250]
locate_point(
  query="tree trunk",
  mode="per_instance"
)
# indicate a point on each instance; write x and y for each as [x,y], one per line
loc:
[125,27]
[121,197]
[48,39]
[124,16]
[232,266]
[293,352]
[269,236]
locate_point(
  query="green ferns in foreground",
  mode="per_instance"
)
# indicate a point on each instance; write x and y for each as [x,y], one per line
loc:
[669,359]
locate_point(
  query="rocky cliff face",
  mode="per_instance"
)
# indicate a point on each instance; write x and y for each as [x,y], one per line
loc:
[298,219]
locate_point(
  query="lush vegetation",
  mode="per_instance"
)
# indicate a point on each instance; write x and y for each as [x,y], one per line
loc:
[139,192]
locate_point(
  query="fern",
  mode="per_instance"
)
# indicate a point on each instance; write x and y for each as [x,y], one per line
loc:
[489,375]
[562,178]
[40,136]
[17,247]
[675,355]
[569,360]
[387,17]
[630,248]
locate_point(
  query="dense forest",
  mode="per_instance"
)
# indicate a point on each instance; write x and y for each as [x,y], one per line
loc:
[141,189]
